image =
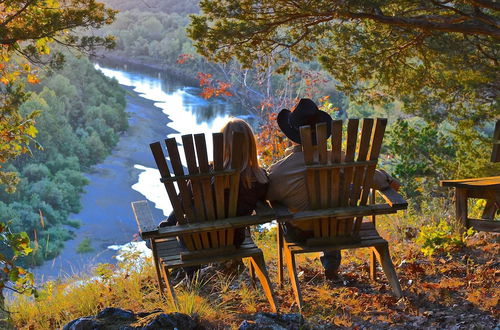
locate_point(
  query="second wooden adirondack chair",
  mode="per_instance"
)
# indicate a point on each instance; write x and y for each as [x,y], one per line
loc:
[338,192]
[206,225]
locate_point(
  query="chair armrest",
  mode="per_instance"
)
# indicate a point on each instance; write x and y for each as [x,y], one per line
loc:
[148,228]
[207,226]
[281,212]
[394,199]
[144,218]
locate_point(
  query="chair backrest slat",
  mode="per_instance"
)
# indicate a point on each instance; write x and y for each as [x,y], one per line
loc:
[376,145]
[208,192]
[187,142]
[323,183]
[175,160]
[307,148]
[352,137]
[208,196]
[234,181]
[236,159]
[218,180]
[161,163]
[359,172]
[336,158]
[337,179]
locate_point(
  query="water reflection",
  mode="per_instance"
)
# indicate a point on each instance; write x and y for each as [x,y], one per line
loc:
[188,112]
[174,95]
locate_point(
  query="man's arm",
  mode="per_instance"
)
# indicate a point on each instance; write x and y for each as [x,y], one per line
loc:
[383,180]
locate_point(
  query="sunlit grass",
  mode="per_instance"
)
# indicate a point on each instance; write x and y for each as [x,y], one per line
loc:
[221,296]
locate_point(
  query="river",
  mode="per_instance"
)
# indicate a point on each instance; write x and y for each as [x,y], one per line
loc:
[158,107]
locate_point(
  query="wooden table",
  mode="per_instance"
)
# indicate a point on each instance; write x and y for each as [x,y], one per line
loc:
[485,188]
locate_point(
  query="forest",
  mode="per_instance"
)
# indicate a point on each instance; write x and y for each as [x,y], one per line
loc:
[82,115]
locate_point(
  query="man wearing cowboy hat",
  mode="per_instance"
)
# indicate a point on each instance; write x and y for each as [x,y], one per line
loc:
[287,182]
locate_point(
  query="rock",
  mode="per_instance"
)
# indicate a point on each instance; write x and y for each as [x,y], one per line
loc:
[116,313]
[273,321]
[83,323]
[121,319]
[144,314]
[171,321]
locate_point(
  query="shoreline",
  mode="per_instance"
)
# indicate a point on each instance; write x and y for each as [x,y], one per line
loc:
[167,69]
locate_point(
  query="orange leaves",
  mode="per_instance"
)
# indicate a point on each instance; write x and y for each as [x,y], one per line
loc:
[10,71]
[212,87]
[32,79]
[204,78]
[271,142]
[183,58]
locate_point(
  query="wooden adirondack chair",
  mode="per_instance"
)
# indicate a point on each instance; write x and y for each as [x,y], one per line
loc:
[485,188]
[206,225]
[338,195]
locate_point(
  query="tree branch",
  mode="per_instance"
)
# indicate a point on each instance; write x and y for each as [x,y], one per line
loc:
[10,18]
[485,4]
[427,23]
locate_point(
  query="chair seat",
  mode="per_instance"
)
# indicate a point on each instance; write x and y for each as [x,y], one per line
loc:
[368,237]
[169,253]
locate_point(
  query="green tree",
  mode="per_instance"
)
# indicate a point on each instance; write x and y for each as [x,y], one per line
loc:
[440,58]
[26,29]
[422,153]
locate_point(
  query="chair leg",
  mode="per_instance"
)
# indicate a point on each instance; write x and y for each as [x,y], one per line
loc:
[292,273]
[251,270]
[373,265]
[157,266]
[260,269]
[170,287]
[382,252]
[280,255]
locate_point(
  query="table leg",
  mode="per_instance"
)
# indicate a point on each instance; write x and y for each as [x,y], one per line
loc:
[461,206]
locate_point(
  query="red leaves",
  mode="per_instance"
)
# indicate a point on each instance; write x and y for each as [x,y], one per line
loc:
[212,87]
[272,143]
[182,58]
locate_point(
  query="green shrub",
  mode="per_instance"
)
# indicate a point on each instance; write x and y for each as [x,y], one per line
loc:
[441,236]
[85,246]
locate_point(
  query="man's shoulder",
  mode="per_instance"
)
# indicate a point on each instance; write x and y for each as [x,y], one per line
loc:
[293,160]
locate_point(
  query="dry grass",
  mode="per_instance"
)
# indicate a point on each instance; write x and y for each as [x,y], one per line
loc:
[439,290]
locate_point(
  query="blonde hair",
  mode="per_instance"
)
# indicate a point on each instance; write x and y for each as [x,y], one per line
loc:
[250,169]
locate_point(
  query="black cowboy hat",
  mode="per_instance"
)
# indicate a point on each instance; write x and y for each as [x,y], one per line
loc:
[306,112]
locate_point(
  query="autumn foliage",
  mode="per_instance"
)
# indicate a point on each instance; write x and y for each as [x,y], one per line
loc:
[212,87]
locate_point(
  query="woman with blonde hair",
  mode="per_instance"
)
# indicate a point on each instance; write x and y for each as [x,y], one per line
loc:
[253,179]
